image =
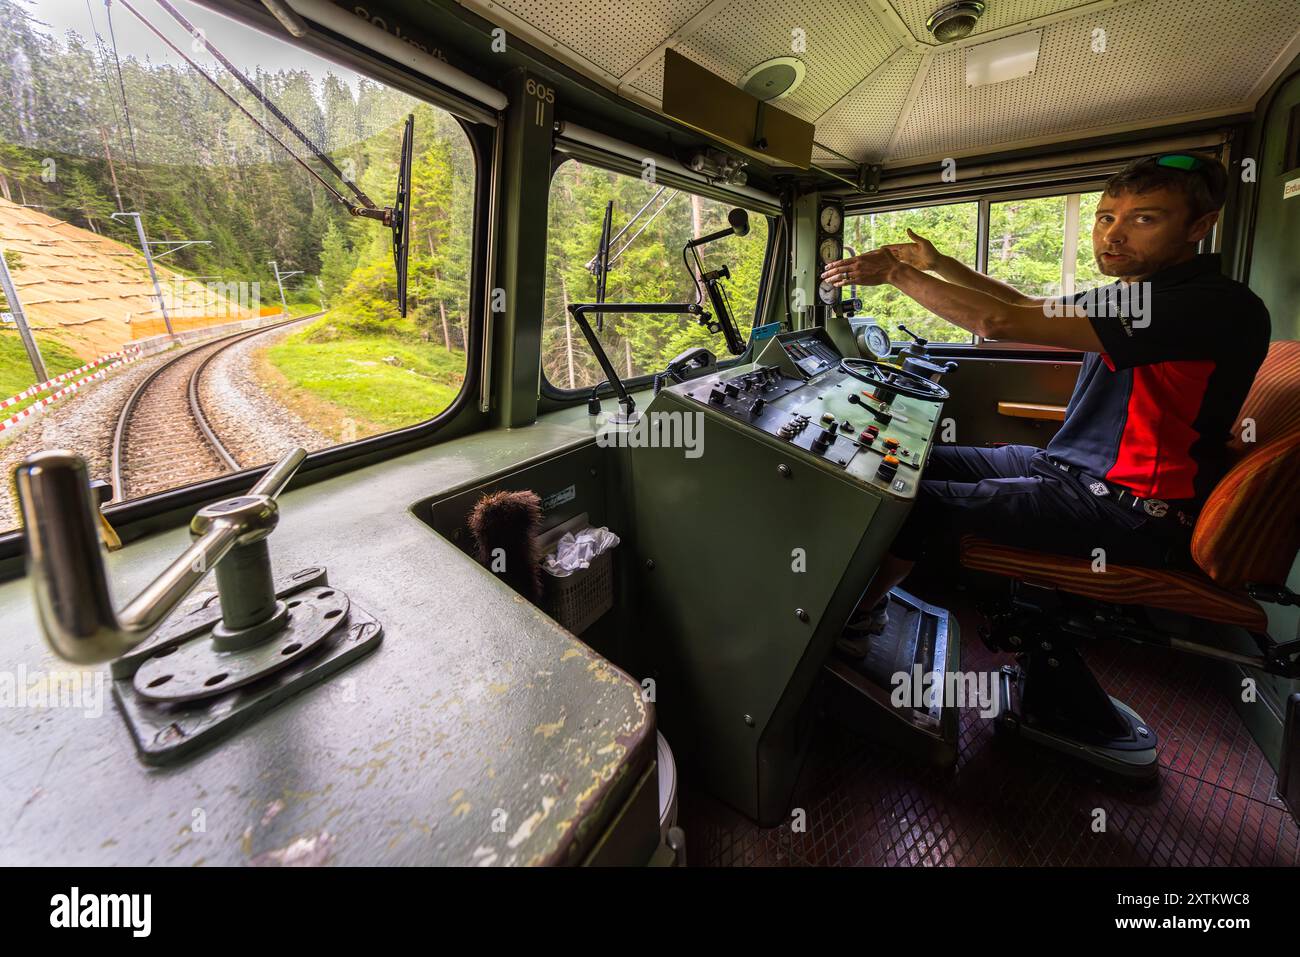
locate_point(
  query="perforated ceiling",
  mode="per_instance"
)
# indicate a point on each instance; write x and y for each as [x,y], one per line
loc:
[839,42]
[613,36]
[878,93]
[1138,77]
[863,122]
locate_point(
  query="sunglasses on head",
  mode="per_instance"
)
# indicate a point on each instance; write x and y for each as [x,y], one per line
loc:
[1180,161]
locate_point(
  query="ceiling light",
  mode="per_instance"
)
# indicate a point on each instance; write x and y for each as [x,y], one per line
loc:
[956,21]
[1007,59]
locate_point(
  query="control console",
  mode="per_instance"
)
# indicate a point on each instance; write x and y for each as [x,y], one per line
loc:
[755,544]
[799,394]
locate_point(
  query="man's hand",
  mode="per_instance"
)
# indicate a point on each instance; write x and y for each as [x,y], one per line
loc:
[869,269]
[920,252]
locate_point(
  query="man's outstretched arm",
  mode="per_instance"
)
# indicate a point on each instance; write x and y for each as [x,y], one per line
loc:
[922,254]
[1065,326]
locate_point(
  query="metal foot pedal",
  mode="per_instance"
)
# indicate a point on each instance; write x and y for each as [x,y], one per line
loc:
[179,691]
[1130,756]
[919,647]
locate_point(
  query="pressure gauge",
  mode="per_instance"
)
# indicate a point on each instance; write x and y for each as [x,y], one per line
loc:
[826,293]
[875,339]
[831,220]
[829,250]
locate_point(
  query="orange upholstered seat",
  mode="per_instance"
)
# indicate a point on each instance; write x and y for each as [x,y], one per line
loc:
[1248,531]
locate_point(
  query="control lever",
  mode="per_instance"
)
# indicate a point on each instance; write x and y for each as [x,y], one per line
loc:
[916,358]
[61,520]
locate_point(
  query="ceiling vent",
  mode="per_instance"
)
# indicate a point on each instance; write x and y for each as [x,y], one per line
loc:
[956,21]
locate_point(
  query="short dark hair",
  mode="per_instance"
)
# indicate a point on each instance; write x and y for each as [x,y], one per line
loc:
[1204,187]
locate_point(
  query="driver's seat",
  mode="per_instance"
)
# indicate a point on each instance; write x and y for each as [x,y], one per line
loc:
[1244,544]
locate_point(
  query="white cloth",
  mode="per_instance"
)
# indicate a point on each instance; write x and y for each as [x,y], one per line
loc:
[574,552]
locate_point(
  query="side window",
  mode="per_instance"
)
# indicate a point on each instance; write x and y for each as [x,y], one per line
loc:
[273,318]
[650,226]
[1043,246]
[953,230]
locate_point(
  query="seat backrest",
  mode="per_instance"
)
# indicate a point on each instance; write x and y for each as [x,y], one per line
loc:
[1249,529]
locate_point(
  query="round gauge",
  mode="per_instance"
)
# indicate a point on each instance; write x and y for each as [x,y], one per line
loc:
[829,250]
[831,220]
[875,339]
[827,293]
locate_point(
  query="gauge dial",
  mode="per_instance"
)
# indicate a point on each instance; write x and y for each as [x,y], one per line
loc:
[827,293]
[876,340]
[831,220]
[829,250]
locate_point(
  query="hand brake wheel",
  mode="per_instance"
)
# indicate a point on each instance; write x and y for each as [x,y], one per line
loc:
[887,377]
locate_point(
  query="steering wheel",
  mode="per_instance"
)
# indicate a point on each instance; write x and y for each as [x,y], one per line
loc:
[896,380]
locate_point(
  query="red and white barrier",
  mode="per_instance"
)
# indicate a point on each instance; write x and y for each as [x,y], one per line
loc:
[40,387]
[125,357]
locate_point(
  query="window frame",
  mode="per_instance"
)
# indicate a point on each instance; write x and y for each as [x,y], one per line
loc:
[985,201]
[762,303]
[138,517]
[981,229]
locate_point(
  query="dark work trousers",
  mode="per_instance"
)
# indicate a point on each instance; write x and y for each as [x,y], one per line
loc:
[1013,495]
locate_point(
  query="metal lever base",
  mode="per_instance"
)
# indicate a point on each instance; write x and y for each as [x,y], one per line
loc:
[166,692]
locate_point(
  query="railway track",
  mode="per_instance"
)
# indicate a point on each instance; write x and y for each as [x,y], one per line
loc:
[163,439]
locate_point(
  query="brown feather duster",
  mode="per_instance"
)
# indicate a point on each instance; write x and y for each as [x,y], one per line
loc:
[510,521]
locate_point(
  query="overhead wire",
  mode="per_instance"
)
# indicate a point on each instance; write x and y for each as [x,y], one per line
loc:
[121,82]
[266,102]
[226,93]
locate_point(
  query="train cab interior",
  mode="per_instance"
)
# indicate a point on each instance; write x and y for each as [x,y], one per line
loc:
[526,525]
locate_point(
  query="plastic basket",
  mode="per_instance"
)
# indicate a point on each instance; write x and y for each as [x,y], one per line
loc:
[578,600]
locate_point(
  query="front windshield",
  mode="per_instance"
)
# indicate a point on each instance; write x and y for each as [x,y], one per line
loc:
[159,233]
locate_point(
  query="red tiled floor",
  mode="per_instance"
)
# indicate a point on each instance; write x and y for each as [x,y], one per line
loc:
[1011,804]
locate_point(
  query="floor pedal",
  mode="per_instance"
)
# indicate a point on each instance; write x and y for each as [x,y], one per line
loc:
[897,691]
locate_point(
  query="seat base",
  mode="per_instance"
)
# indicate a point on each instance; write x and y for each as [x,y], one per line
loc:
[1131,756]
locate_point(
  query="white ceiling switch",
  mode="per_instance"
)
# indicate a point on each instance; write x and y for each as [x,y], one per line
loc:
[1010,58]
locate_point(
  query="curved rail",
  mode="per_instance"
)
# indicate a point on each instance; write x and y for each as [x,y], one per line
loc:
[205,430]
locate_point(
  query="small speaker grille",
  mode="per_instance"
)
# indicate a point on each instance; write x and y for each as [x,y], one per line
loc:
[955,27]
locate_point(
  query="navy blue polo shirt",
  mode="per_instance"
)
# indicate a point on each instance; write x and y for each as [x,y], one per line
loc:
[1154,411]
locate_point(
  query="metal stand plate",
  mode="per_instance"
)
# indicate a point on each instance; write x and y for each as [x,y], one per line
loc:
[175,717]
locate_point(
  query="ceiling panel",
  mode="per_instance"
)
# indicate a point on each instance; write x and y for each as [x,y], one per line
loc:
[860,126]
[843,41]
[1164,58]
[1137,78]
[614,36]
[997,13]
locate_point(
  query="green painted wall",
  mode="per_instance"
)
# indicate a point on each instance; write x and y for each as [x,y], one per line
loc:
[1275,256]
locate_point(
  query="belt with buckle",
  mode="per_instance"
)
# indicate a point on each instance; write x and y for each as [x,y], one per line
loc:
[1154,507]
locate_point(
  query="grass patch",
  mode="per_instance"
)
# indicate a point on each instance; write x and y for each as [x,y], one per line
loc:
[16,371]
[380,381]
